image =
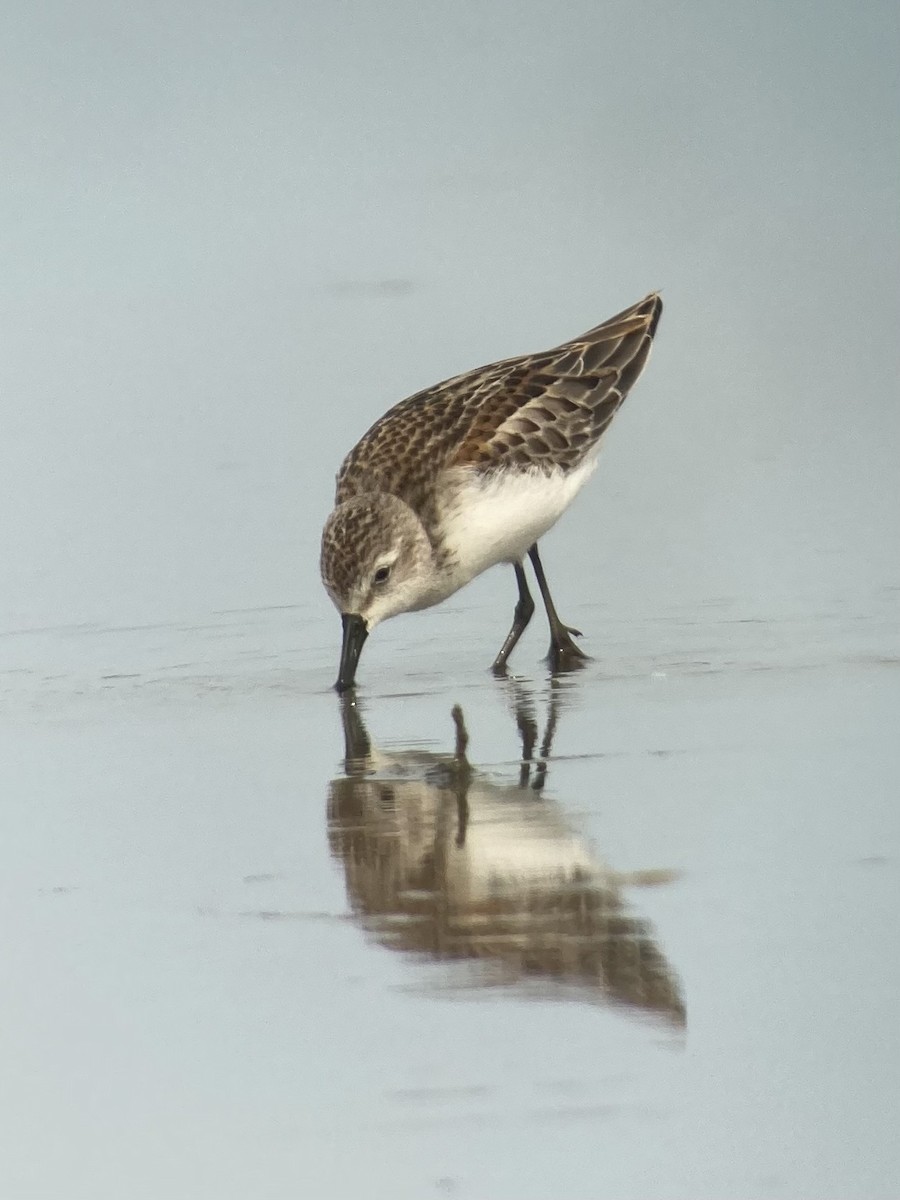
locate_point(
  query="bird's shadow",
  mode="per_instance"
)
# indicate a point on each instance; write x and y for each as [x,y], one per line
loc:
[448,863]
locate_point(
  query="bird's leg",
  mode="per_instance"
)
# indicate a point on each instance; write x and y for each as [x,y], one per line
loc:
[521,616]
[564,653]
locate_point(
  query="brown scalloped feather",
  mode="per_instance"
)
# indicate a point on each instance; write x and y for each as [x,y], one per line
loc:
[544,410]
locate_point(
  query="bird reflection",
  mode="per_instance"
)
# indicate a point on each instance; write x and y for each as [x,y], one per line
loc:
[445,863]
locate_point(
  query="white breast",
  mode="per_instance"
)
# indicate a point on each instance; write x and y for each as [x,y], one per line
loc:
[498,517]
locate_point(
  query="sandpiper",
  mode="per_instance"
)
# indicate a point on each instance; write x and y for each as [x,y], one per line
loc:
[471,473]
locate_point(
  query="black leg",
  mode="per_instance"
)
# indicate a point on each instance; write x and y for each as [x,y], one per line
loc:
[564,653]
[522,615]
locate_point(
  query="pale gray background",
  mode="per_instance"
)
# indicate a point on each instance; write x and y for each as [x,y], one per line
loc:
[232,235]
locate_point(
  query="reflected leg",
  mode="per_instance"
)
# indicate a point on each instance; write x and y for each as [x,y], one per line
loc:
[463,774]
[521,702]
[540,774]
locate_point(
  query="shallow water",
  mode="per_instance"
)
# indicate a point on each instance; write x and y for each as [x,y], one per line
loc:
[637,939]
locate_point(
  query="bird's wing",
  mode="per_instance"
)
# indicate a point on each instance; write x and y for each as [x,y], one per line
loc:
[551,408]
[545,410]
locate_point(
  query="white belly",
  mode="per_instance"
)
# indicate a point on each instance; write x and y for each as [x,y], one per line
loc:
[496,519]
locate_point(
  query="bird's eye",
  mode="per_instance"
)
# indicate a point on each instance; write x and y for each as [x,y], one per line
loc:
[381,575]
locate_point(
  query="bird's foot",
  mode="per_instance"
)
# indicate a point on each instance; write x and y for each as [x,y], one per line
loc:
[565,654]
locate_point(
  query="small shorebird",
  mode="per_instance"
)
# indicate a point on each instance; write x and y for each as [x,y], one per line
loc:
[470,473]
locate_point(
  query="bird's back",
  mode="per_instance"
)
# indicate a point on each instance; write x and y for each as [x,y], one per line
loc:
[542,411]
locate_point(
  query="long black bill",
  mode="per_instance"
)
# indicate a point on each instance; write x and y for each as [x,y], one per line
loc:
[355,634]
